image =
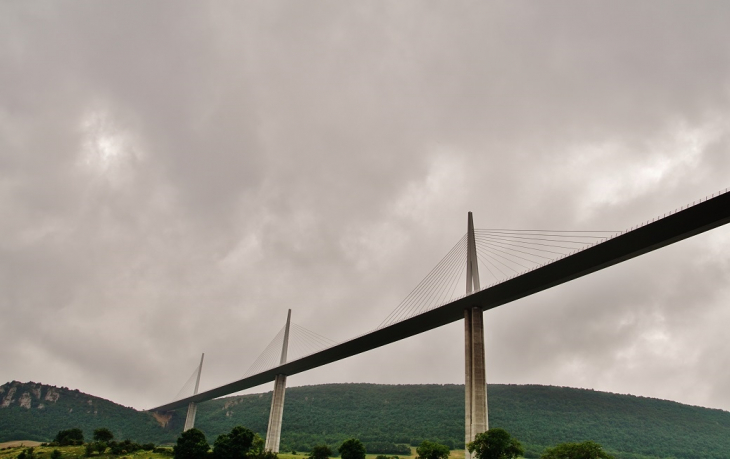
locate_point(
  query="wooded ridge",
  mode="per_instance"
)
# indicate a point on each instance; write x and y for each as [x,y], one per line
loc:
[382,415]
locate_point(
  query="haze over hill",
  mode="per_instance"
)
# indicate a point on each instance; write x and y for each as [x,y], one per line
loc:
[406,414]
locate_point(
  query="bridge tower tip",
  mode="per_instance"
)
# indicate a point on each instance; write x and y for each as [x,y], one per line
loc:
[276,414]
[475,383]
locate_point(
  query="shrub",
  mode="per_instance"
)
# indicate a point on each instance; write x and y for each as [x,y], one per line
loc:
[70,437]
[234,445]
[103,434]
[495,444]
[432,450]
[352,449]
[320,452]
[191,445]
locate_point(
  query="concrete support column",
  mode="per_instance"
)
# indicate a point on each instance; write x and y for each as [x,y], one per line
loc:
[273,432]
[475,379]
[467,381]
[190,418]
[479,421]
[192,407]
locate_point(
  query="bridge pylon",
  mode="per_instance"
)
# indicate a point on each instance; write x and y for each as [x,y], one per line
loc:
[273,432]
[192,407]
[475,381]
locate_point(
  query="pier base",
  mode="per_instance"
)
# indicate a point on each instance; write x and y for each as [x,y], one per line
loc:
[273,433]
[475,384]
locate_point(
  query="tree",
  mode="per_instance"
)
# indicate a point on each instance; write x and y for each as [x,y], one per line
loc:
[585,450]
[70,437]
[103,434]
[234,445]
[432,450]
[352,449]
[320,452]
[191,445]
[495,444]
[100,446]
[56,454]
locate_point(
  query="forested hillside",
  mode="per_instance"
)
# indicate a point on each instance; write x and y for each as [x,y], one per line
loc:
[33,411]
[537,415]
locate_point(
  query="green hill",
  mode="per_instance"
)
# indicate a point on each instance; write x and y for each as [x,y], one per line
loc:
[33,411]
[539,416]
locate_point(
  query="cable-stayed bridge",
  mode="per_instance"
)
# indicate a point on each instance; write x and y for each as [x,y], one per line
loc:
[518,263]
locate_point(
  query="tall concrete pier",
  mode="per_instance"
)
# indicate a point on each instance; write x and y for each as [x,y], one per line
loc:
[475,383]
[192,407]
[273,432]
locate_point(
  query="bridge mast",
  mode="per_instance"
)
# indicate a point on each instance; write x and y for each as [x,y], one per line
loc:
[192,407]
[475,384]
[273,433]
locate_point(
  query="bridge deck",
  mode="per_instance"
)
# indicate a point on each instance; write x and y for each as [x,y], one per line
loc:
[683,224]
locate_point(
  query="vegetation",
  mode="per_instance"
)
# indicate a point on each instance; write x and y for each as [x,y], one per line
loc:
[383,447]
[495,444]
[69,437]
[352,449]
[399,416]
[584,450]
[75,452]
[234,445]
[432,450]
[191,445]
[103,434]
[57,408]
[320,452]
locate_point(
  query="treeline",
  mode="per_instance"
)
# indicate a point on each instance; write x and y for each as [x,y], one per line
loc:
[540,416]
[57,408]
[380,447]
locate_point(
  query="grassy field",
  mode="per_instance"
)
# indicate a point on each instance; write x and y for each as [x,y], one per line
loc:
[71,452]
[455,454]
[11,450]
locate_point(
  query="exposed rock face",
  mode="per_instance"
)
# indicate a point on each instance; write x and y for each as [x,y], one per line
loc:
[162,418]
[24,400]
[30,391]
[8,399]
[231,403]
[51,395]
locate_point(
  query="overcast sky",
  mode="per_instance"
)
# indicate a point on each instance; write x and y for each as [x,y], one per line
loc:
[175,175]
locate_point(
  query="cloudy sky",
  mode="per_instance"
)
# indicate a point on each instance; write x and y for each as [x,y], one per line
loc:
[175,175]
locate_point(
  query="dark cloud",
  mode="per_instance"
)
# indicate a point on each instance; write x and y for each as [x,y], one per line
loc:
[175,176]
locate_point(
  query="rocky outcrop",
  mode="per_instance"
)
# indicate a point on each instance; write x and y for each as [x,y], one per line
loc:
[24,400]
[8,399]
[51,395]
[162,418]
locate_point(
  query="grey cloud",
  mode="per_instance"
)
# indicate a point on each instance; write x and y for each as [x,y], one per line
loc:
[174,176]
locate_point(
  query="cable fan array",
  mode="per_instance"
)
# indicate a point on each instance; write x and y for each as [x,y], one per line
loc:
[189,387]
[302,342]
[502,253]
[437,288]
